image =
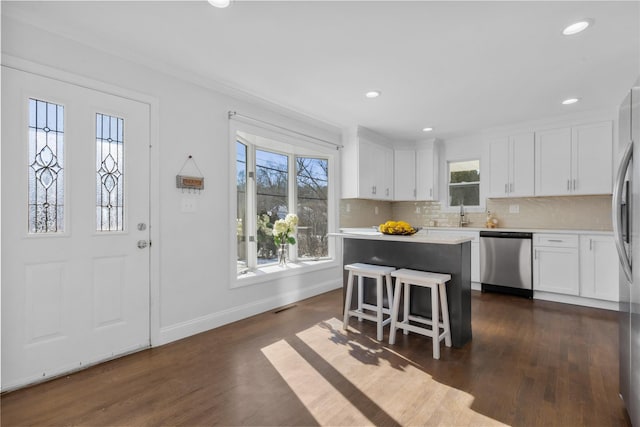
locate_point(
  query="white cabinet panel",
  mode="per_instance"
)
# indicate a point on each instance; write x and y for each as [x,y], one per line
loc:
[404,175]
[553,162]
[592,158]
[521,164]
[499,168]
[598,267]
[511,172]
[574,160]
[555,269]
[427,159]
[367,170]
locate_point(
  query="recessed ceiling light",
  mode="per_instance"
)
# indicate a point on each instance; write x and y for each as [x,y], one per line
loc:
[372,94]
[577,27]
[427,129]
[219,3]
[570,101]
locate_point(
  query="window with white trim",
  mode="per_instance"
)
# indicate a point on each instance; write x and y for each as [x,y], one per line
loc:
[464,183]
[273,179]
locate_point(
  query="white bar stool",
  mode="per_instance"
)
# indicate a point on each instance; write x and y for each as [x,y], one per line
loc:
[406,278]
[377,272]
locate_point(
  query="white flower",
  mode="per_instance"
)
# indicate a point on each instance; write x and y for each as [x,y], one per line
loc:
[291,220]
[280,227]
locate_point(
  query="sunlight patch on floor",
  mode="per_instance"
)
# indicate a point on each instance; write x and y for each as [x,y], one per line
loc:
[321,399]
[344,382]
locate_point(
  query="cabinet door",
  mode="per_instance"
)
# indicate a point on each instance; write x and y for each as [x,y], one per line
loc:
[598,267]
[553,162]
[592,158]
[404,175]
[521,171]
[499,167]
[366,170]
[426,174]
[385,185]
[555,269]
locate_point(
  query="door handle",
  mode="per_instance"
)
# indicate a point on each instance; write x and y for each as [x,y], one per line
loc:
[616,209]
[142,244]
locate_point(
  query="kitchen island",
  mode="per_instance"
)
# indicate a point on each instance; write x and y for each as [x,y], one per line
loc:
[447,254]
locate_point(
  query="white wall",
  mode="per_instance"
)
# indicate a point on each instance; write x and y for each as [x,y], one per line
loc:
[190,252]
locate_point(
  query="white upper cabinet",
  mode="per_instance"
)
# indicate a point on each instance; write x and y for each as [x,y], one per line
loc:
[416,172]
[592,158]
[404,175]
[574,160]
[367,168]
[427,160]
[511,171]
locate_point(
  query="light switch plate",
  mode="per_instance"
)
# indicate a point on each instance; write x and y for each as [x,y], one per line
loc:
[514,208]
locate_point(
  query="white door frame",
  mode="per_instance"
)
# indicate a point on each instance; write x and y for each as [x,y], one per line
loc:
[154,167]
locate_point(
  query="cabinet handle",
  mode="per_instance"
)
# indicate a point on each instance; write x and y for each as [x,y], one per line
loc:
[387,192]
[506,188]
[568,185]
[556,240]
[535,254]
[373,190]
[415,193]
[431,192]
[511,188]
[575,183]
[590,244]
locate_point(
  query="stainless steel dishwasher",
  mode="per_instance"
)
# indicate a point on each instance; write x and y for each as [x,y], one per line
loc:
[505,262]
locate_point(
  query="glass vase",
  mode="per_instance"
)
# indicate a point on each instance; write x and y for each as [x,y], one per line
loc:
[282,255]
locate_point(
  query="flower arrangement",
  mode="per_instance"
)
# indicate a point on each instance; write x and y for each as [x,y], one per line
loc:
[282,229]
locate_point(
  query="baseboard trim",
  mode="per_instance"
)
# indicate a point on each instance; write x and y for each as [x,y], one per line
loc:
[214,320]
[570,299]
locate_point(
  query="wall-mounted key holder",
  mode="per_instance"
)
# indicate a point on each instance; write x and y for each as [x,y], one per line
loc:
[190,183]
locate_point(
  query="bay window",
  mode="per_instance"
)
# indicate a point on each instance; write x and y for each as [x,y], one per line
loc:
[273,179]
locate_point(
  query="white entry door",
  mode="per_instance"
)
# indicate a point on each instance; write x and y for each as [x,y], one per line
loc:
[75,227]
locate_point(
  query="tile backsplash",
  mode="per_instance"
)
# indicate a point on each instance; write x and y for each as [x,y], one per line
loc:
[566,212]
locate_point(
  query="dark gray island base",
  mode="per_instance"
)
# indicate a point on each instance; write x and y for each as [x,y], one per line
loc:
[453,259]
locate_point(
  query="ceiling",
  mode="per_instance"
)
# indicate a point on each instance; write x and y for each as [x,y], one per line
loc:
[458,67]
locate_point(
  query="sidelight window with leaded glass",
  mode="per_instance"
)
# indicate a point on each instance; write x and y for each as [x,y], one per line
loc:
[109,173]
[46,167]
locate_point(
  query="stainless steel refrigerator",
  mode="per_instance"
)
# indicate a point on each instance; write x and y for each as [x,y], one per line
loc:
[626,226]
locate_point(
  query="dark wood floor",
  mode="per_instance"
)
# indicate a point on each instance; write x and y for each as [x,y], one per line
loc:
[531,363]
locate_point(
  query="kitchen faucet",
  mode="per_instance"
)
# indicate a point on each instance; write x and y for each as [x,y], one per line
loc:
[463,221]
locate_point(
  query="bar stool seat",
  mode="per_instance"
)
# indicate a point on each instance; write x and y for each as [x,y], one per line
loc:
[405,278]
[377,272]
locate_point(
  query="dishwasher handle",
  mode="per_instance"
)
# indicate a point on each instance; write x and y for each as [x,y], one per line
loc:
[507,234]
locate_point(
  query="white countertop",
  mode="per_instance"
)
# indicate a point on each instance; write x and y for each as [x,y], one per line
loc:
[455,236]
[523,230]
[420,237]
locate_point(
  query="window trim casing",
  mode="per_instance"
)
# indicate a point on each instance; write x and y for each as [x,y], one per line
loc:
[301,147]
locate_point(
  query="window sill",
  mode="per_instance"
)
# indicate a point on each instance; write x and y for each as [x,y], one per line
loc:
[271,272]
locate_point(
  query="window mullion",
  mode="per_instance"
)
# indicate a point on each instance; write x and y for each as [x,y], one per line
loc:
[293,202]
[252,232]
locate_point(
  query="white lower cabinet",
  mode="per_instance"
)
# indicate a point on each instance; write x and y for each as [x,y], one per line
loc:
[598,267]
[556,266]
[584,265]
